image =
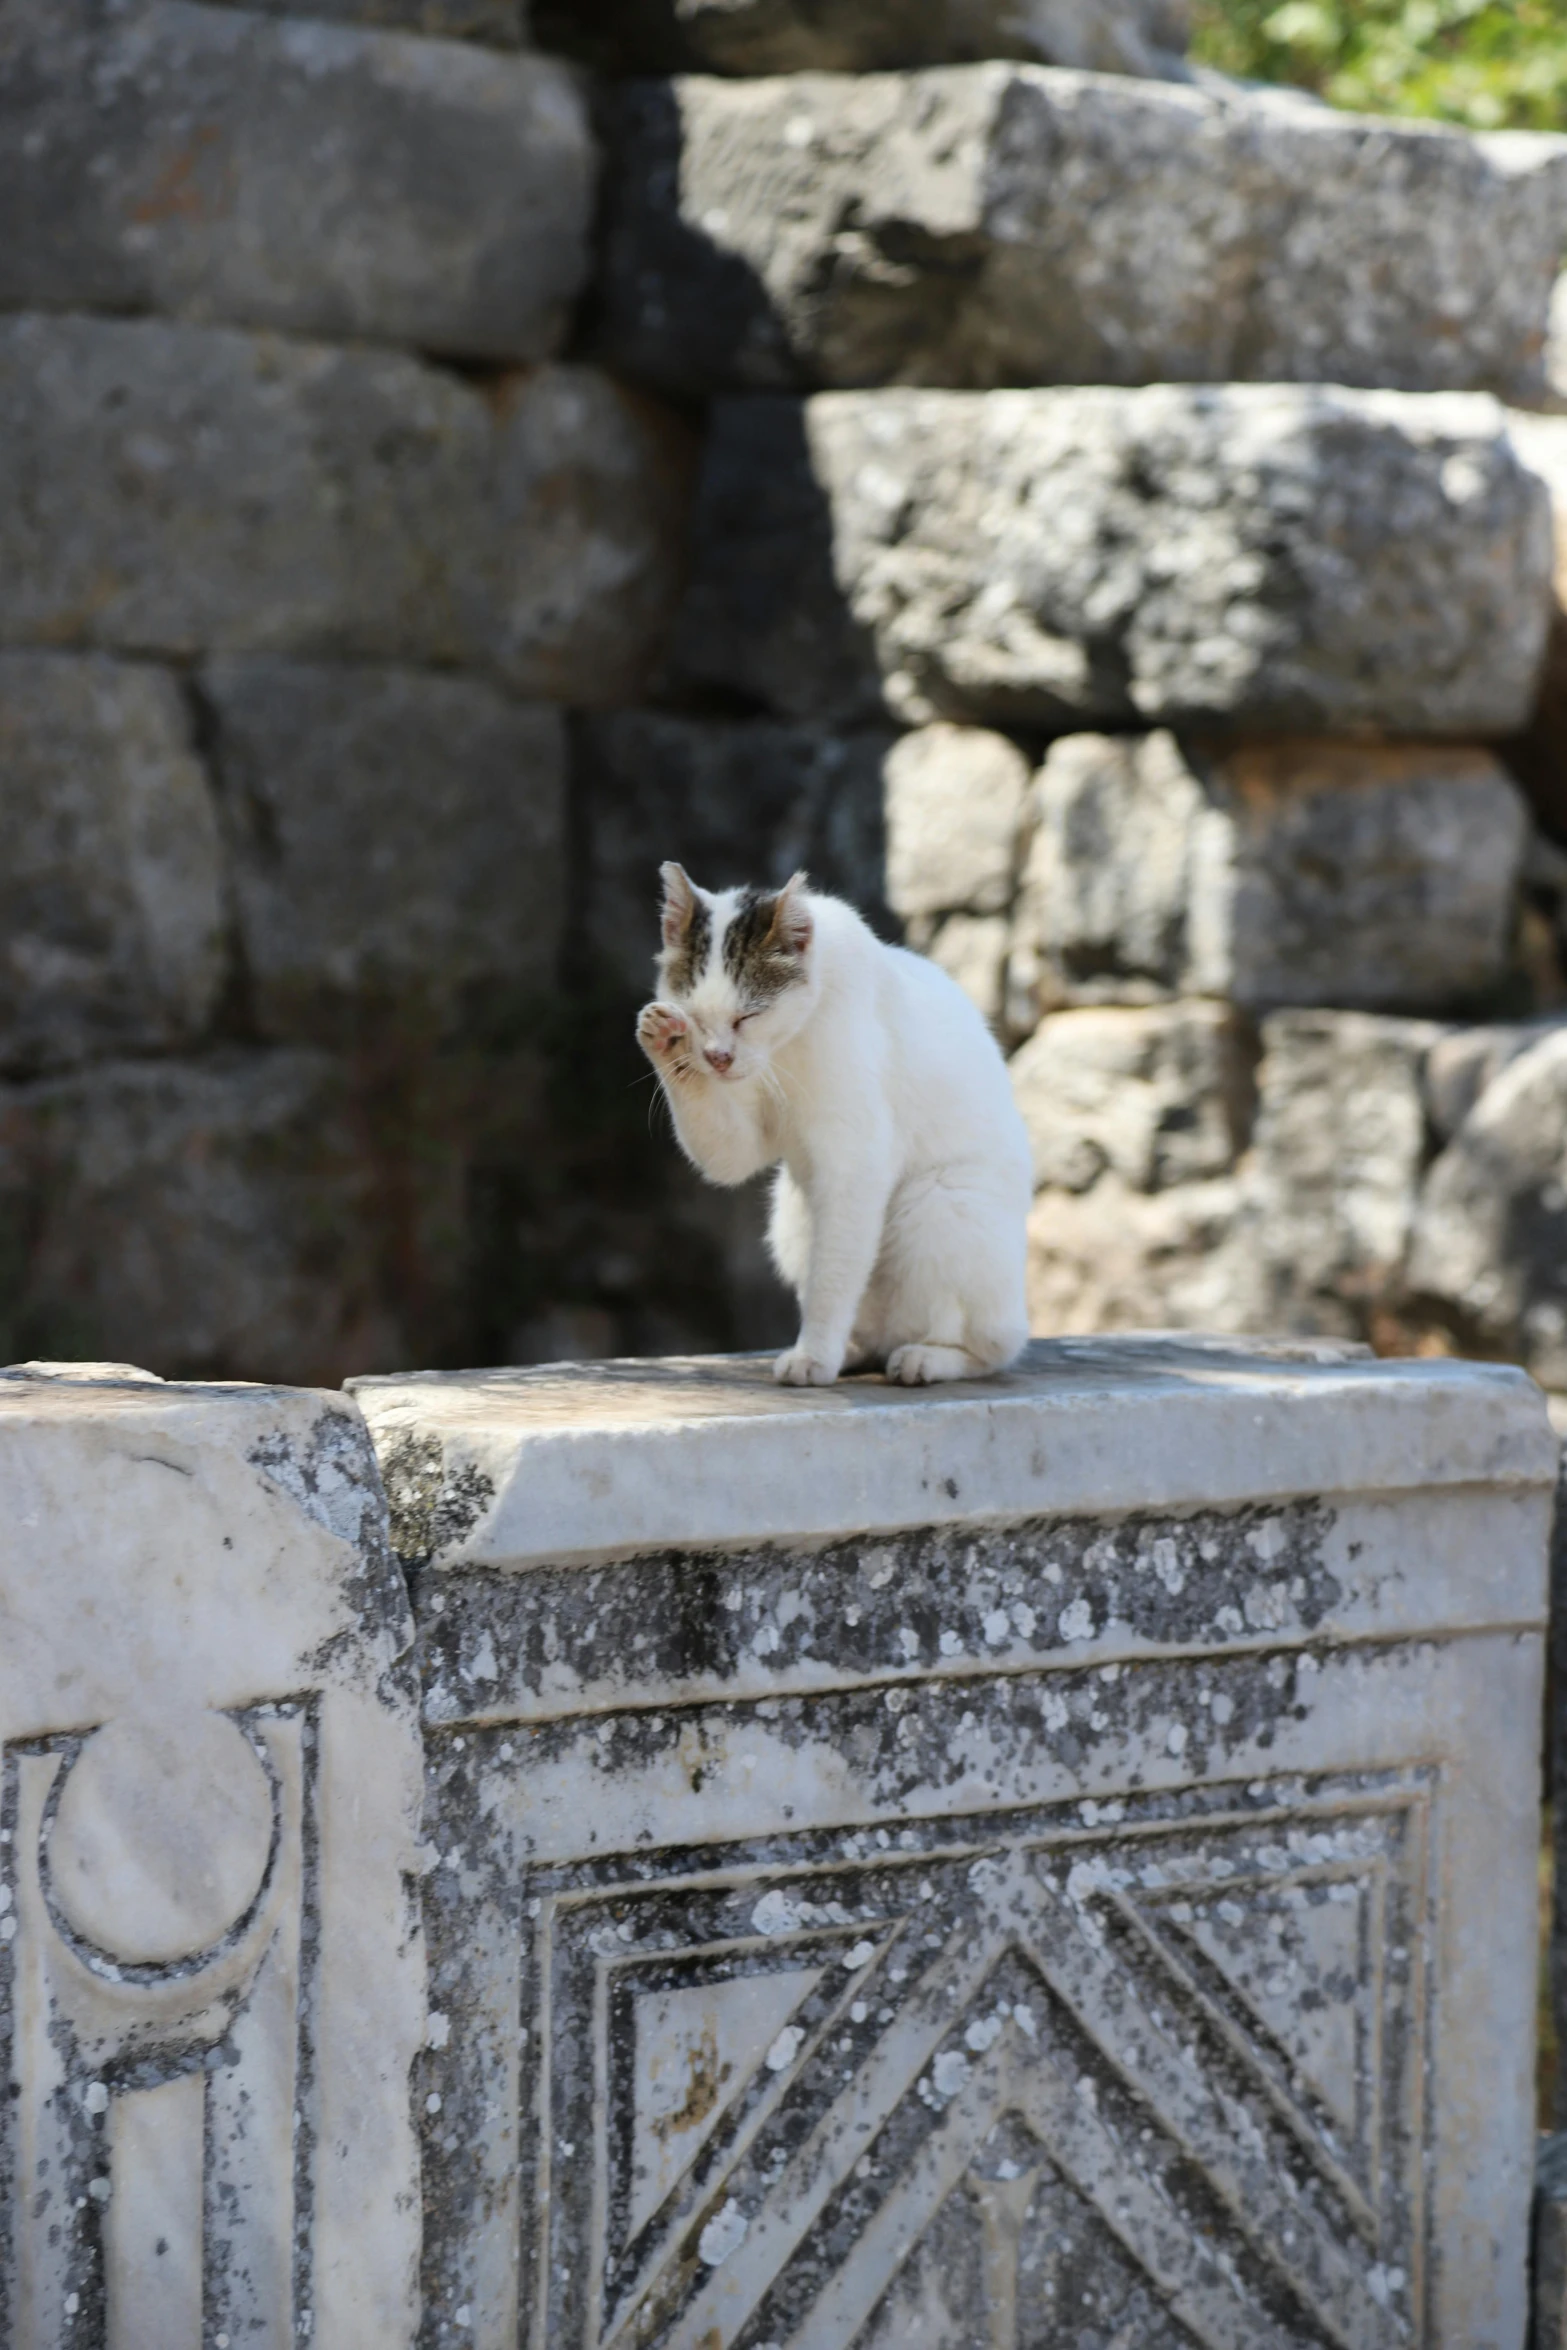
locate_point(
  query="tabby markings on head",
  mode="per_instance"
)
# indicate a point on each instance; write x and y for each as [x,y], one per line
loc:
[757,959]
[689,959]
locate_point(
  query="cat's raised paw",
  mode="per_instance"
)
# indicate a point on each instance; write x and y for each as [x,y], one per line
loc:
[663,1033]
[799,1369]
[927,1366]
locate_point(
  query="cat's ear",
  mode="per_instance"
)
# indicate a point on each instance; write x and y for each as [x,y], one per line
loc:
[679,902]
[791,926]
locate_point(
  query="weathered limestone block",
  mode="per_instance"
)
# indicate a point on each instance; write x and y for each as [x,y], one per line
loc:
[733,802]
[1283,872]
[1490,1241]
[1369,1178]
[584,546]
[857,36]
[394,835]
[1155,1096]
[111,884]
[1339,1154]
[212,164]
[1464,1061]
[1059,1854]
[972,949]
[1216,1189]
[211,1216]
[172,490]
[1117,824]
[1276,558]
[212,1990]
[1376,877]
[1138,1118]
[955,802]
[1006,224]
[1114,1258]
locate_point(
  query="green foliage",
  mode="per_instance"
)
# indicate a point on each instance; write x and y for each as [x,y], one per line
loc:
[1489,64]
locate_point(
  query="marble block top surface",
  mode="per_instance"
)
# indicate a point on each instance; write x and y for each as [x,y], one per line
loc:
[574,1462]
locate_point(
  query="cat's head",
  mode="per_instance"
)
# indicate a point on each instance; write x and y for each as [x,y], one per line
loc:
[739,964]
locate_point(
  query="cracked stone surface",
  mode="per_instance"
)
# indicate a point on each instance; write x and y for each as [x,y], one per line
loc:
[175,490]
[1270,557]
[200,1211]
[111,885]
[217,165]
[1004,224]
[1375,877]
[951,1856]
[393,836]
[211,1959]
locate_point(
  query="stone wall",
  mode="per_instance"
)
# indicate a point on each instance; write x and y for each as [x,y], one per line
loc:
[953,448]
[316,535]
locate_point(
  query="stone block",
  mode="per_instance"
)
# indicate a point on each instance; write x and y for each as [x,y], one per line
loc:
[1376,877]
[175,490]
[733,801]
[858,36]
[216,1215]
[1490,1242]
[1116,824]
[1340,1152]
[1155,1096]
[1275,558]
[966,1867]
[1114,1258]
[111,883]
[1366,1178]
[1007,224]
[214,164]
[1464,1061]
[584,546]
[1138,1119]
[212,1992]
[955,803]
[972,949]
[396,837]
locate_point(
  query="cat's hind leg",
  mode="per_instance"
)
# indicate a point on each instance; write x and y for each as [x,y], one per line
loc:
[927,1366]
[953,1276]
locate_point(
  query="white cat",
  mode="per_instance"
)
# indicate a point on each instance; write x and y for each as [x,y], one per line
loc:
[787,1035]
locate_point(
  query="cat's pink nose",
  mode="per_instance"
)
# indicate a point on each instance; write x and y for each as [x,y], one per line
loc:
[720,1061]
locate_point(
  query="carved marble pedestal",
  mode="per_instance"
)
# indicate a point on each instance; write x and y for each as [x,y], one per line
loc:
[1042,1863]
[211,1979]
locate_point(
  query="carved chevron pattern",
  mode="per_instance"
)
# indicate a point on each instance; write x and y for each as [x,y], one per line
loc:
[1180,2070]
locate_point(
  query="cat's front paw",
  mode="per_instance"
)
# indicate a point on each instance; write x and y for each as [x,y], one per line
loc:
[665,1036]
[799,1368]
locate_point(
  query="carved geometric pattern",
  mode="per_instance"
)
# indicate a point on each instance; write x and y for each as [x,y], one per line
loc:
[1159,2077]
[158,2105]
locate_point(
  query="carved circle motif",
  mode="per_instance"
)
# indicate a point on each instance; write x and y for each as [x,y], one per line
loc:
[161,1839]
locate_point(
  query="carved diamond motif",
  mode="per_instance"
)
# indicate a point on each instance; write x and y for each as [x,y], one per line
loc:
[1160,2081]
